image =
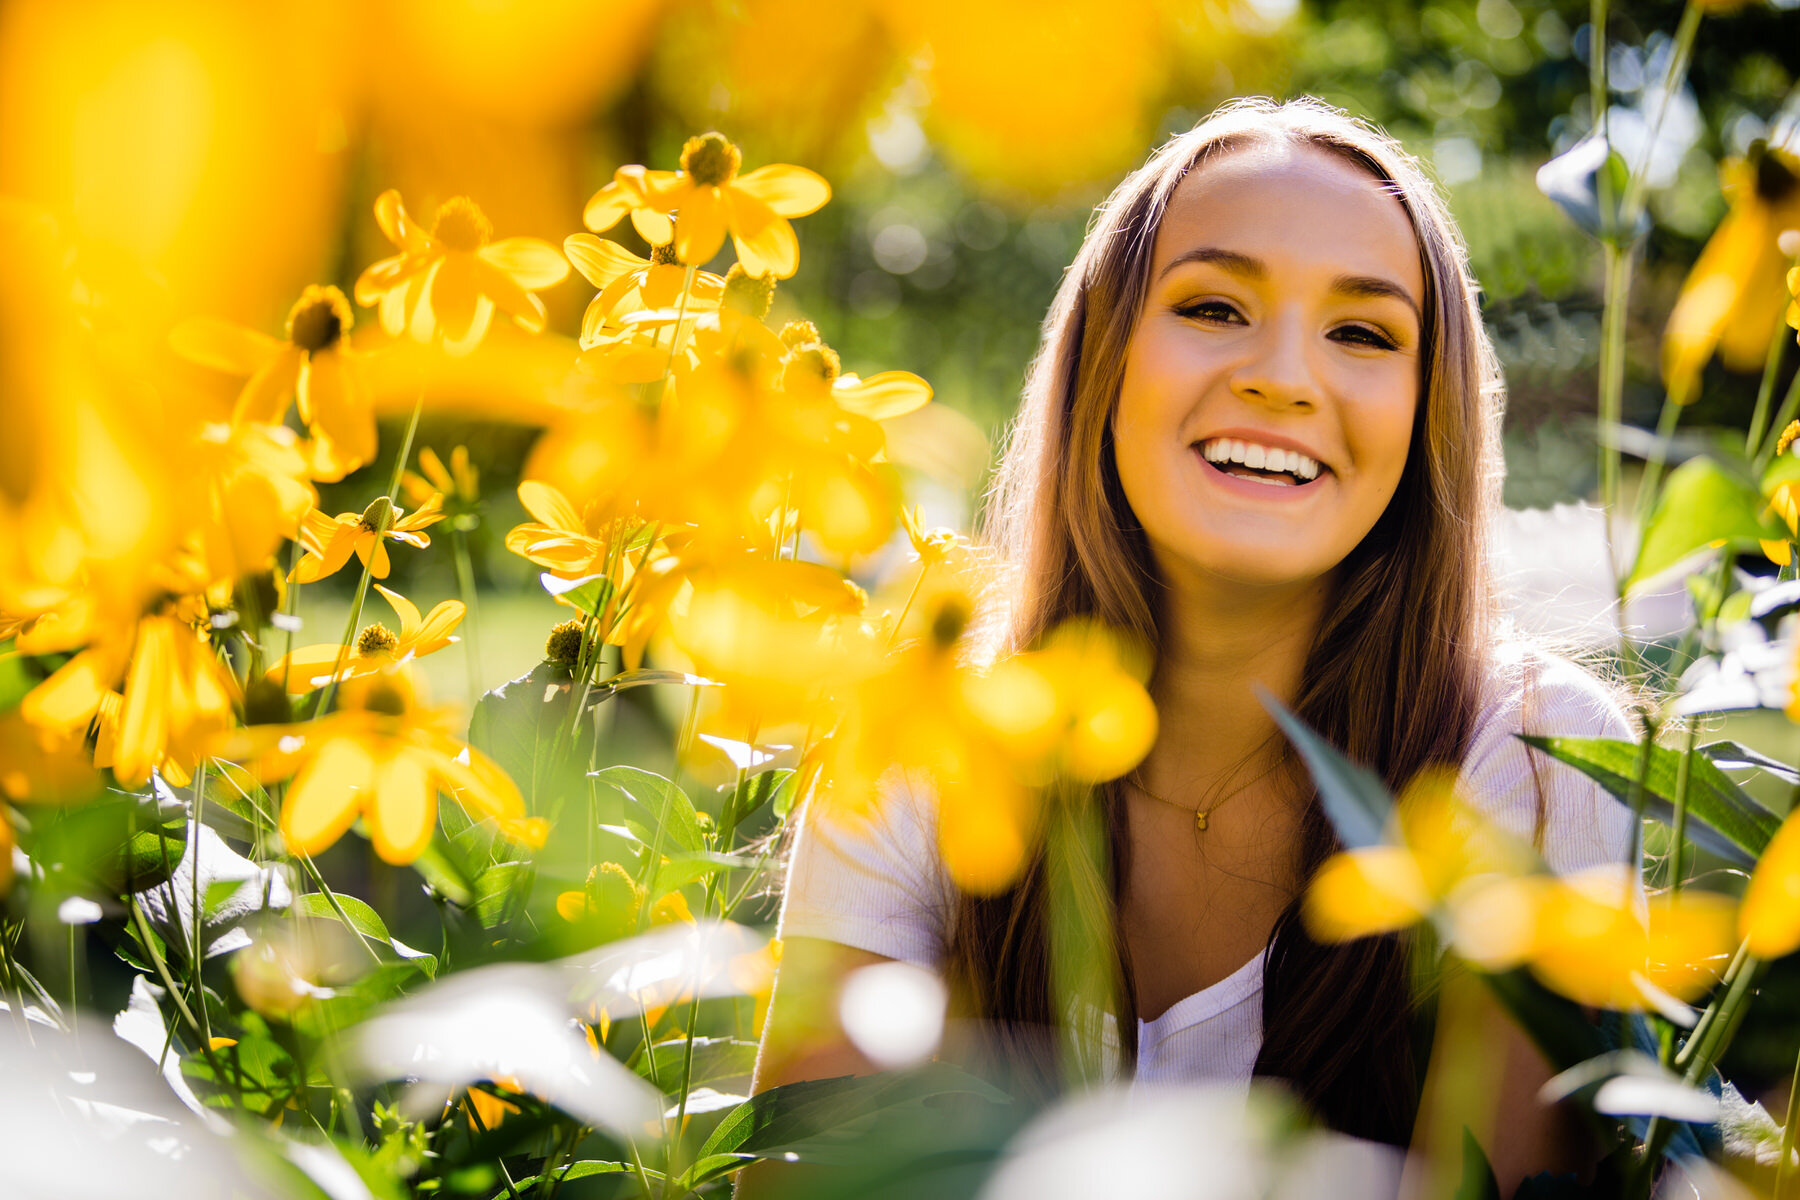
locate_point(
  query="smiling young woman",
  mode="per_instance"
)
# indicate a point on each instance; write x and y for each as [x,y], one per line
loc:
[1261,434]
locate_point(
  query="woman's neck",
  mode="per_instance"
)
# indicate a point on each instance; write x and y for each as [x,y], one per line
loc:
[1220,641]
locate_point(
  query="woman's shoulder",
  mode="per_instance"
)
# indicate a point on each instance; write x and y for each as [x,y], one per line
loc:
[1527,690]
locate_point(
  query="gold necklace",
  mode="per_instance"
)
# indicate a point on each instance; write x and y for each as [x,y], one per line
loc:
[1203,816]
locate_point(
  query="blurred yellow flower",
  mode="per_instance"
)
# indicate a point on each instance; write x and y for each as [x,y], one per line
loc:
[1769,921]
[628,283]
[459,484]
[329,541]
[561,539]
[711,199]
[1732,300]
[384,755]
[314,365]
[256,493]
[39,766]
[1784,503]
[376,648]
[149,680]
[1588,935]
[448,282]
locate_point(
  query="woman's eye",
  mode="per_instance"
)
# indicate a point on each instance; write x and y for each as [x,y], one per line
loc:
[1364,335]
[1209,310]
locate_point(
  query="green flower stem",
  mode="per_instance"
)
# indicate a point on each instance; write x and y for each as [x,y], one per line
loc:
[1765,391]
[1790,403]
[1612,392]
[381,528]
[1655,465]
[924,567]
[687,287]
[653,860]
[168,982]
[290,609]
[465,583]
[337,907]
[1787,1134]
[1683,773]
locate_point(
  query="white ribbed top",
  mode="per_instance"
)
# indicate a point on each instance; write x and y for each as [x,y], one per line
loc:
[879,885]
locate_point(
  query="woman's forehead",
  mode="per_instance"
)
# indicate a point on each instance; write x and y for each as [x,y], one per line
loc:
[1283,198]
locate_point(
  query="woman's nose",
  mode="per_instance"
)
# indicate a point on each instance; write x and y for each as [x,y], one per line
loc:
[1276,371]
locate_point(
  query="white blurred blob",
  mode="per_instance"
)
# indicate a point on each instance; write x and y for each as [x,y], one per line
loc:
[504,1021]
[1187,1143]
[519,1020]
[1458,159]
[893,1013]
[93,1122]
[78,910]
[743,755]
[1641,1096]
[897,140]
[1698,1179]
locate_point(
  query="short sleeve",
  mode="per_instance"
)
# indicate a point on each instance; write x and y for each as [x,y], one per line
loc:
[1583,825]
[873,882]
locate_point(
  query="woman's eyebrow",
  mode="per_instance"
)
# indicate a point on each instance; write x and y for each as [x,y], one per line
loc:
[1375,286]
[1229,260]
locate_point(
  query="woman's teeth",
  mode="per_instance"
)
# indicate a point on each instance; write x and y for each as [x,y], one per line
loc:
[1287,466]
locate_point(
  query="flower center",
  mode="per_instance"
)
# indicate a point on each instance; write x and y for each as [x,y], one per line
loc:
[747,293]
[384,696]
[375,514]
[266,703]
[664,255]
[1775,179]
[319,318]
[461,225]
[564,643]
[798,333]
[949,622]
[810,363]
[710,159]
[376,639]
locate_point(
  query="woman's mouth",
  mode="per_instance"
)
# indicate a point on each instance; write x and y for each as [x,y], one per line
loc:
[1268,465]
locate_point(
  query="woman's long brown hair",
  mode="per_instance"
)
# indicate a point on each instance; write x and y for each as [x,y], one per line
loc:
[1392,674]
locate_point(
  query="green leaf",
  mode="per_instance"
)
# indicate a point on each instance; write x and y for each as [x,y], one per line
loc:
[759,790]
[1701,504]
[521,722]
[589,593]
[575,1170]
[1735,756]
[445,875]
[366,921]
[1478,1182]
[714,1058]
[656,796]
[495,888]
[16,677]
[806,1120]
[1355,800]
[1722,817]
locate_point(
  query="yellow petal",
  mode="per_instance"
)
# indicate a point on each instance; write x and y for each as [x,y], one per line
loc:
[265,395]
[144,718]
[653,227]
[883,395]
[982,841]
[71,696]
[309,667]
[325,797]
[550,506]
[480,785]
[700,229]
[1377,889]
[600,261]
[1770,917]
[605,207]
[390,214]
[531,263]
[405,609]
[222,345]
[506,294]
[434,633]
[339,404]
[571,906]
[765,242]
[403,809]
[788,190]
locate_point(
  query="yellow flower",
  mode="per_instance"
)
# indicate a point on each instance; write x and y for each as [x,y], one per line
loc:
[1770,918]
[1732,300]
[314,364]
[41,766]
[329,541]
[628,283]
[148,679]
[1784,502]
[711,200]
[1582,935]
[459,484]
[561,539]
[256,492]
[376,647]
[384,755]
[1793,427]
[449,281]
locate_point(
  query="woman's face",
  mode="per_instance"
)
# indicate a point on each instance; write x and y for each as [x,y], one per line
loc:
[1270,383]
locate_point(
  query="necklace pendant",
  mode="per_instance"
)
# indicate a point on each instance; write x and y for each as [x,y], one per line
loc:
[1199,820]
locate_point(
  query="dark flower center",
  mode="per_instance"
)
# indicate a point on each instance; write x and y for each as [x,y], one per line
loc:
[319,318]
[710,159]
[376,639]
[461,225]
